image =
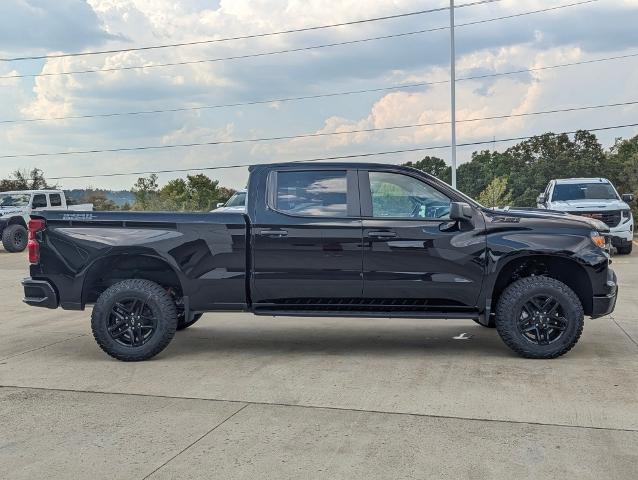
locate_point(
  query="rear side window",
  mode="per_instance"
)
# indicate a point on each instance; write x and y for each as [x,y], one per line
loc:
[55,199]
[39,201]
[312,193]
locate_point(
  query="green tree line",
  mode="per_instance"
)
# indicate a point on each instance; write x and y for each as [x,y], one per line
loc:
[518,174]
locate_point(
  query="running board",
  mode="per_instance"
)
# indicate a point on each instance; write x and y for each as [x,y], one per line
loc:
[471,315]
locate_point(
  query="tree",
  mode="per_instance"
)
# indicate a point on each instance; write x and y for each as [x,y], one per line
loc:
[195,193]
[434,166]
[25,180]
[99,200]
[496,194]
[146,193]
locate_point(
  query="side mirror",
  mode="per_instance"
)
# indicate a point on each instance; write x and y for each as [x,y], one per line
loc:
[460,211]
[541,199]
[627,197]
[221,204]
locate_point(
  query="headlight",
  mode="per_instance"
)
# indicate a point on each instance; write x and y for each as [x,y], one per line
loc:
[598,239]
[626,215]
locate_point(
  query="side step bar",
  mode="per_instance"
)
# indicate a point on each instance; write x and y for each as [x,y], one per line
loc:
[472,315]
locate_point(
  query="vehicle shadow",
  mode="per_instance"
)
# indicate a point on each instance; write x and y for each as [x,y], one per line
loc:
[341,340]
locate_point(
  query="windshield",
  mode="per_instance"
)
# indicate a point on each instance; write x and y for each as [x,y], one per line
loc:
[237,200]
[14,200]
[583,191]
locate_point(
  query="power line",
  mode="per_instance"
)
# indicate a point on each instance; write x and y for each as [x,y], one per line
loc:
[321,95]
[288,50]
[245,37]
[309,135]
[340,157]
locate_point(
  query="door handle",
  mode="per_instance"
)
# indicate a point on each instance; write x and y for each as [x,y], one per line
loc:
[381,234]
[273,233]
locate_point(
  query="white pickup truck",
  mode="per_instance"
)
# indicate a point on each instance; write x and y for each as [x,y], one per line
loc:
[595,198]
[16,208]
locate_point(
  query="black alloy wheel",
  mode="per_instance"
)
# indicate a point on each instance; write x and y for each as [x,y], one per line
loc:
[132,322]
[542,320]
[539,317]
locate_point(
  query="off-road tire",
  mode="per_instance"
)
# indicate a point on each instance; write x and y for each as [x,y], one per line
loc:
[15,238]
[626,250]
[182,324]
[157,300]
[511,303]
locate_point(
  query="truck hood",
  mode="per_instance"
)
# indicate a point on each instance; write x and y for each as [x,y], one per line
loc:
[589,205]
[540,213]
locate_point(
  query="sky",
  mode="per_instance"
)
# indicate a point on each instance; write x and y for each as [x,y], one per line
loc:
[602,28]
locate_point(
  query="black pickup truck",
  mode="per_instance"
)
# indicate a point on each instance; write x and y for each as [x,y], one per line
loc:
[326,239]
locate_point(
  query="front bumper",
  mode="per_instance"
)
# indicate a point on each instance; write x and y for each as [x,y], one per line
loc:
[604,304]
[39,293]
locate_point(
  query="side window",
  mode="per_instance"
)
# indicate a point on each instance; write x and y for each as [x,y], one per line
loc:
[400,196]
[39,201]
[312,193]
[55,200]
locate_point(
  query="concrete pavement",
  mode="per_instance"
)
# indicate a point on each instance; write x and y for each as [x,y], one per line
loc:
[238,396]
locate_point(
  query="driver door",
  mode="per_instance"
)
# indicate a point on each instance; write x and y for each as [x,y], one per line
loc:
[411,248]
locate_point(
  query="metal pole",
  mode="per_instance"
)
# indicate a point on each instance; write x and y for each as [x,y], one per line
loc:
[453,92]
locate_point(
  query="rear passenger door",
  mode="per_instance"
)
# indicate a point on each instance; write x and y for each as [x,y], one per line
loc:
[307,241]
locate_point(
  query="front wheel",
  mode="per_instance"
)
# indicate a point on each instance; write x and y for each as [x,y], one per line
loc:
[625,249]
[539,317]
[134,320]
[15,238]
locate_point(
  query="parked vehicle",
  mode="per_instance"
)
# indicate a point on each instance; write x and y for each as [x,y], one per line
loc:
[595,198]
[16,207]
[337,239]
[236,203]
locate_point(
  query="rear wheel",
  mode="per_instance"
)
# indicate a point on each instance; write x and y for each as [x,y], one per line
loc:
[134,320]
[15,238]
[539,317]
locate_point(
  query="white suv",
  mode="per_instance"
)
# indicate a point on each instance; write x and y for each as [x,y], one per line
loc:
[596,198]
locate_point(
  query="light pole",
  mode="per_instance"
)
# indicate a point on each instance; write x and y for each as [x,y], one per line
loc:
[453,92]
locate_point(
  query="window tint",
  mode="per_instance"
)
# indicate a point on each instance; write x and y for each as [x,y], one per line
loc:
[401,196]
[39,201]
[321,193]
[55,200]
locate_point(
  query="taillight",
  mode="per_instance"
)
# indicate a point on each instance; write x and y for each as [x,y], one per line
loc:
[35,225]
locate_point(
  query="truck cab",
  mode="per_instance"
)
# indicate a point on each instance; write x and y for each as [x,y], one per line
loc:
[594,198]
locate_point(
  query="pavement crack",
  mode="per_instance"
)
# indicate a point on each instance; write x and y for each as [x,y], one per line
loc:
[42,347]
[197,440]
[625,332]
[324,407]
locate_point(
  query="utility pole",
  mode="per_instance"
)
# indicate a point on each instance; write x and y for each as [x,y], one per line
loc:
[453,92]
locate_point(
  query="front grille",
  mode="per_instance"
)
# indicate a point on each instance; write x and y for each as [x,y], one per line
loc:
[611,217]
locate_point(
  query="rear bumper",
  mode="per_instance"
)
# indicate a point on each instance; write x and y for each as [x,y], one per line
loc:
[39,293]
[604,304]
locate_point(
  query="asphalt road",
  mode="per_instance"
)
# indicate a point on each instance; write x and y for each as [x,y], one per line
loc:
[238,396]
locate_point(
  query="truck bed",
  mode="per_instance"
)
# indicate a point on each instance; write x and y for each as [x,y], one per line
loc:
[202,255]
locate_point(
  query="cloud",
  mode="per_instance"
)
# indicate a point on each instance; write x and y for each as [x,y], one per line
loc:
[47,25]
